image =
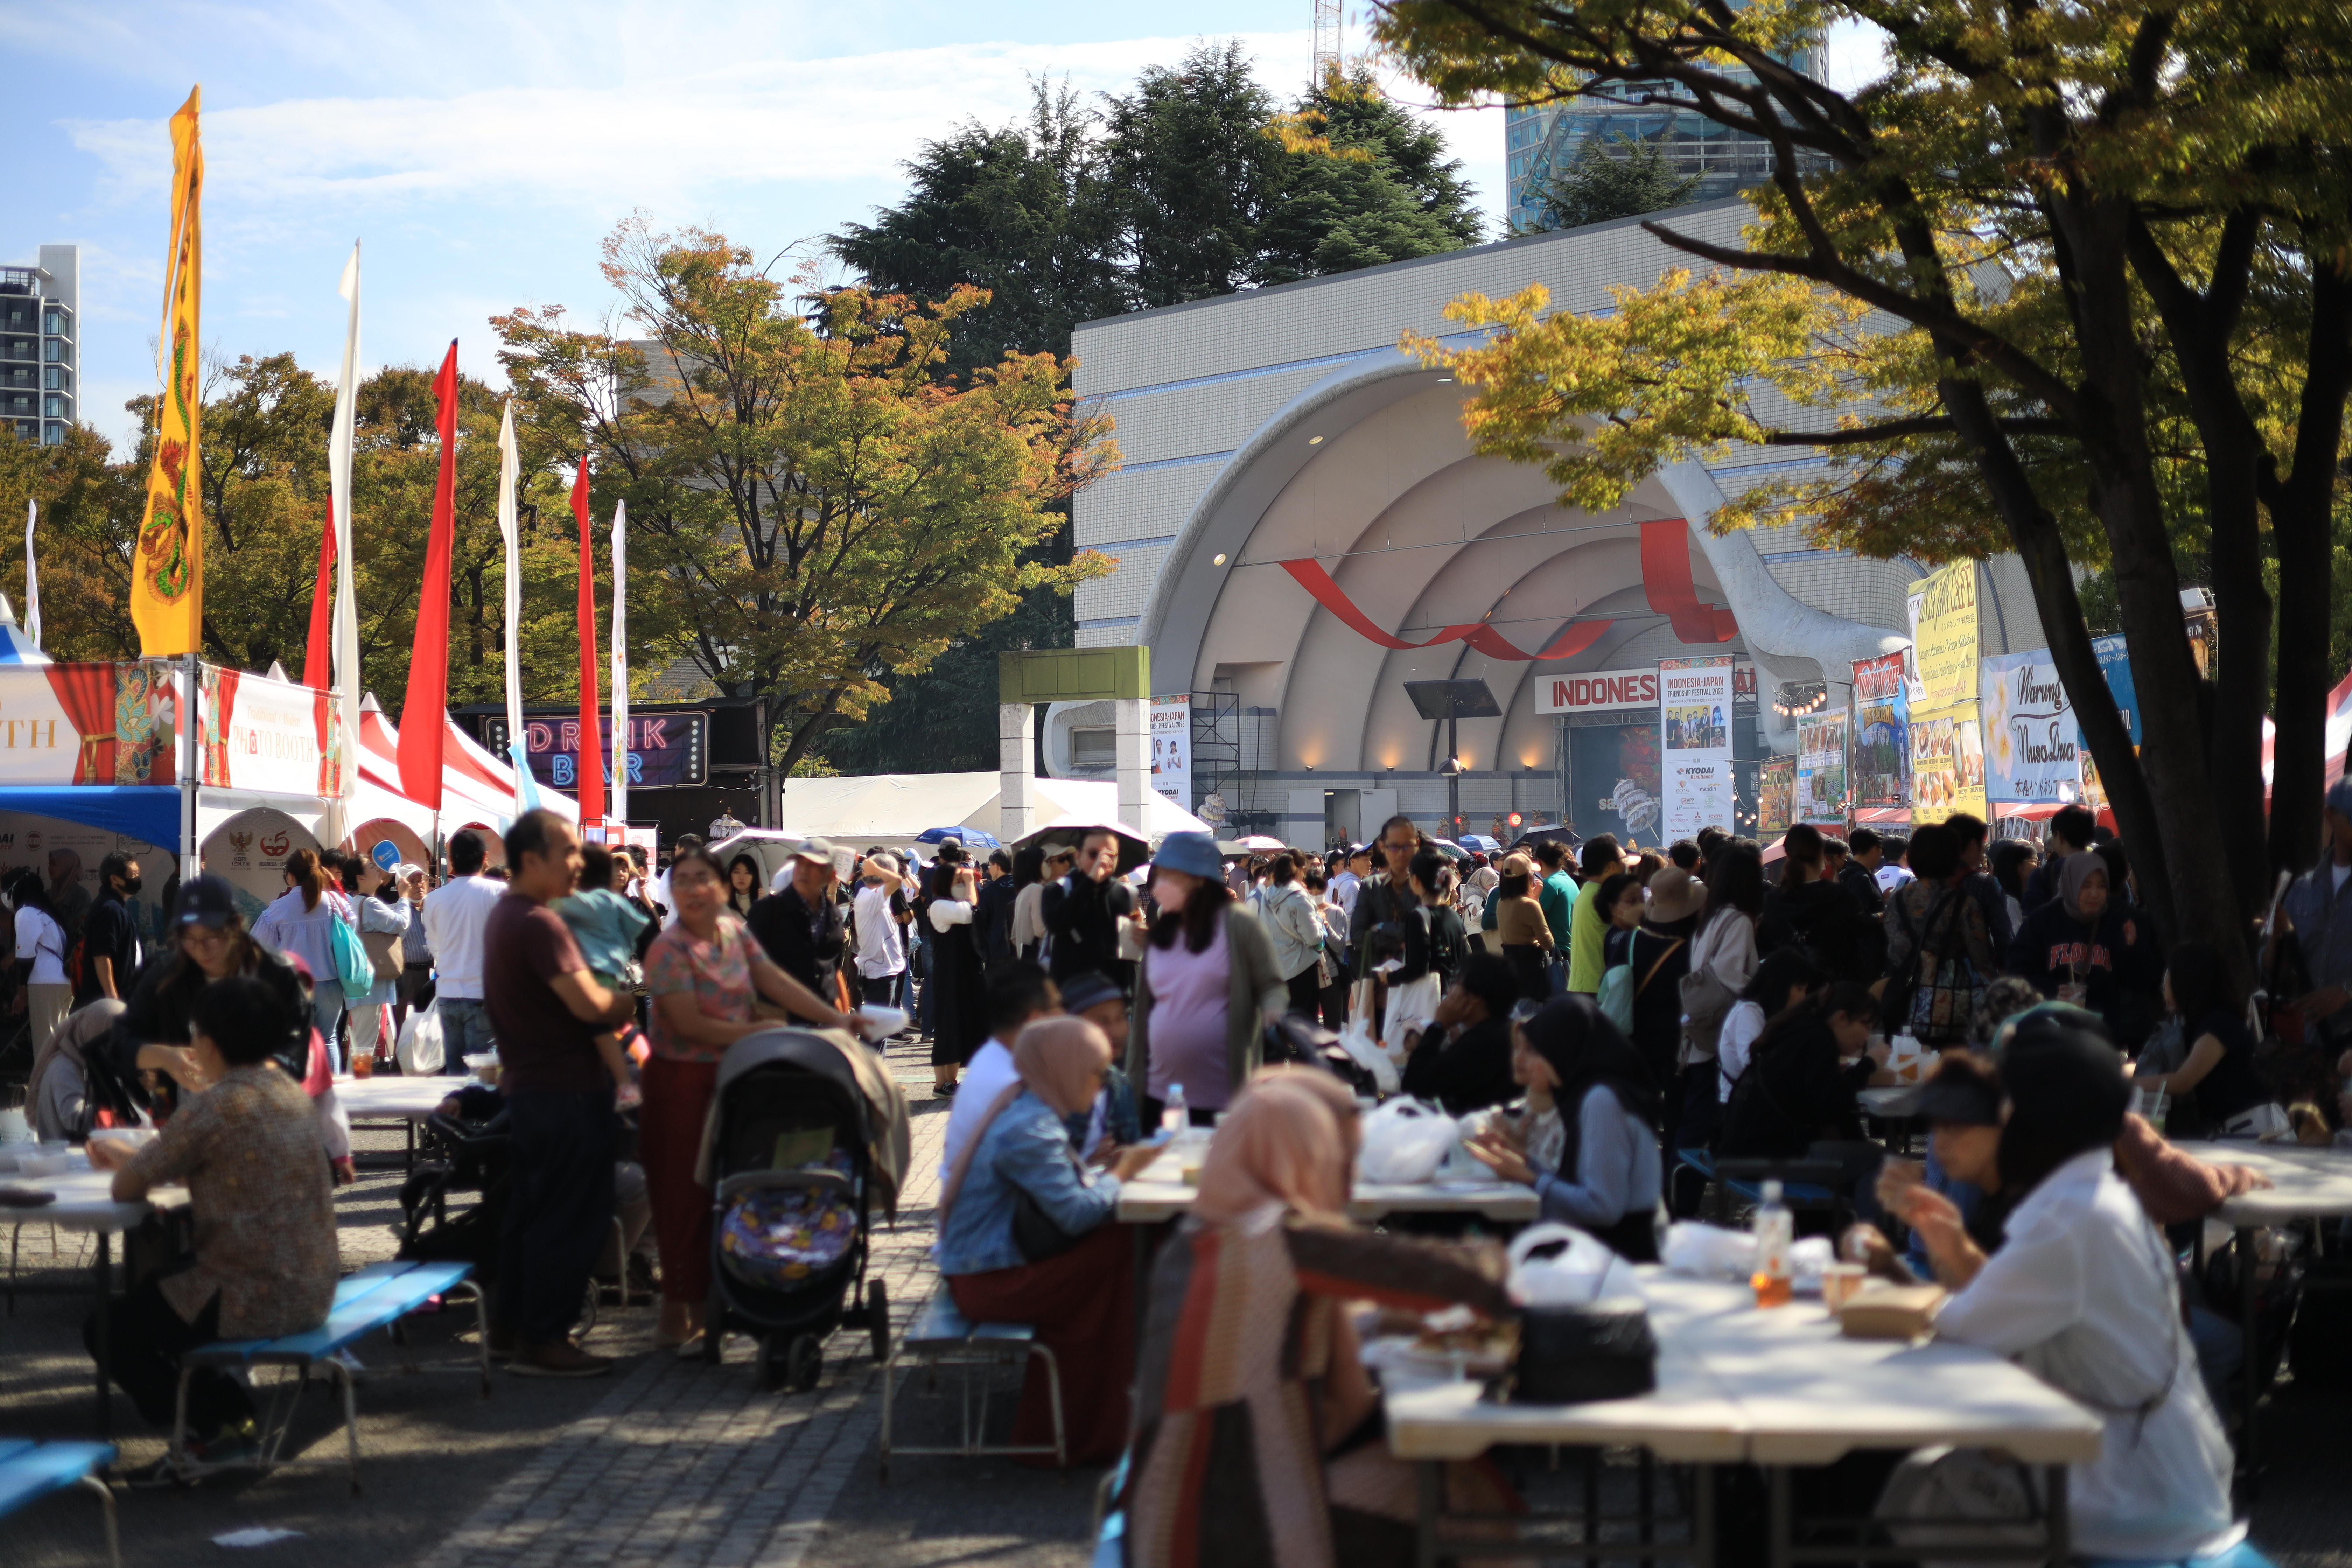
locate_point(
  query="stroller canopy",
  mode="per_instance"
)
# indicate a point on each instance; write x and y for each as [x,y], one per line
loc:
[856,1067]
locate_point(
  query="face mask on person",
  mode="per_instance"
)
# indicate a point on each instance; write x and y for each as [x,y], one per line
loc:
[132,883]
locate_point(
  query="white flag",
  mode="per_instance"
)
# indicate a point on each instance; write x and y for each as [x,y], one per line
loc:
[32,580]
[617,808]
[346,635]
[509,475]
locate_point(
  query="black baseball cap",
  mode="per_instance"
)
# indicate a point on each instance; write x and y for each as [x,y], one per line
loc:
[1960,1096]
[1089,989]
[208,900]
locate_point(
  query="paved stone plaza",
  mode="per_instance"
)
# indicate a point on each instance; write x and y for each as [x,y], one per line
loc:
[685,1465]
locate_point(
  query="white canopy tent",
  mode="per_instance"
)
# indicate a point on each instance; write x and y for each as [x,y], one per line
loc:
[892,809]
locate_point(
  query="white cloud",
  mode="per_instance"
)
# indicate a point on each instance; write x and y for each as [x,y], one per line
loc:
[482,150]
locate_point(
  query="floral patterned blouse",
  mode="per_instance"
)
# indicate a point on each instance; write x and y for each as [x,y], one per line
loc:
[716,974]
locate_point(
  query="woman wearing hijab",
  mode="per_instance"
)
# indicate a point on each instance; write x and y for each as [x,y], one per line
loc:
[2082,947]
[1586,1141]
[1025,1236]
[2083,1292]
[1258,1438]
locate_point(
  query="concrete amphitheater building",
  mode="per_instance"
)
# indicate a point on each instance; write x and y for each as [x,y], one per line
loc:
[1298,506]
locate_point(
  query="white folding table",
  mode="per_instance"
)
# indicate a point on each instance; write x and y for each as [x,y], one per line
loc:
[1160,1193]
[395,1101]
[86,1203]
[1778,1389]
[2306,1183]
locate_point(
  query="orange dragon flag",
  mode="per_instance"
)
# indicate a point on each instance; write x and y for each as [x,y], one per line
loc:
[167,571]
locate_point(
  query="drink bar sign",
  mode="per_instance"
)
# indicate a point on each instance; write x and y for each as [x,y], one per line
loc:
[667,751]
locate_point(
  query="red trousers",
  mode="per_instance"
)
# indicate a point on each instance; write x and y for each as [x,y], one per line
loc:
[670,1136]
[1082,1305]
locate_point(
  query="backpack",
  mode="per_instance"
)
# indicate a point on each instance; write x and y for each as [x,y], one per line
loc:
[1935,1000]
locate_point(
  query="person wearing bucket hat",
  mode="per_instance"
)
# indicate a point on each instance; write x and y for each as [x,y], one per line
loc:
[2083,1292]
[1207,987]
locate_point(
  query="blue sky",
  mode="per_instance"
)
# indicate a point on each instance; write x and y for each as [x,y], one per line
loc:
[482,148]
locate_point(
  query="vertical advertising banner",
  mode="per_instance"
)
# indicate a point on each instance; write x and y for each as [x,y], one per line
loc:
[1695,721]
[1172,747]
[2114,663]
[2032,746]
[1776,794]
[1947,762]
[1881,754]
[1945,637]
[1821,768]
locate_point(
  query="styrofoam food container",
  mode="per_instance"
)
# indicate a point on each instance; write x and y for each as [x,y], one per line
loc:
[130,1138]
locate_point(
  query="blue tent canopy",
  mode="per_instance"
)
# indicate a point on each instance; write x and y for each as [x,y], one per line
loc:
[150,812]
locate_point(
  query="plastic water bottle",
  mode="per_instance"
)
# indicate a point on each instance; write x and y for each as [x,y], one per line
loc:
[1175,1120]
[1776,1233]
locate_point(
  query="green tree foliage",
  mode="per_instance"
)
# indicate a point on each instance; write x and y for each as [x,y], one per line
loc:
[1195,183]
[811,508]
[1625,179]
[1022,212]
[2090,270]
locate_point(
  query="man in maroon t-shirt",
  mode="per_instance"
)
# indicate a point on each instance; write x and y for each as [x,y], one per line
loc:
[546,1010]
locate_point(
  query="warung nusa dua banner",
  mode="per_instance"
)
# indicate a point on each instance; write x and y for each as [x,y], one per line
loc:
[2032,749]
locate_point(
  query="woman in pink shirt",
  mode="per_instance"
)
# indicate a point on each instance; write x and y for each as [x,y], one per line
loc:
[1207,987]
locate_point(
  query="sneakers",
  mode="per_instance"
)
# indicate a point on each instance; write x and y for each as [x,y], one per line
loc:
[237,1446]
[558,1358]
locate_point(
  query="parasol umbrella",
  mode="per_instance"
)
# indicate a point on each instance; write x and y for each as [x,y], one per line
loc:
[1133,851]
[1259,843]
[970,837]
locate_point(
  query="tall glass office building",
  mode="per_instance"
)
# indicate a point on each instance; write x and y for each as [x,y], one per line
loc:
[40,345]
[1544,140]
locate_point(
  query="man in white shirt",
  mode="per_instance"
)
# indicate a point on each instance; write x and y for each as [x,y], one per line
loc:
[881,944]
[1350,879]
[1020,992]
[1892,872]
[455,914]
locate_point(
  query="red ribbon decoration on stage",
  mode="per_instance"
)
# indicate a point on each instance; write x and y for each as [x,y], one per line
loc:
[1666,579]
[1309,575]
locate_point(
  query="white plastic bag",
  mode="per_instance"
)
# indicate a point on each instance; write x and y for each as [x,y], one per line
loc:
[1583,1271]
[1709,1251]
[1404,1142]
[1412,1008]
[1358,1041]
[419,1050]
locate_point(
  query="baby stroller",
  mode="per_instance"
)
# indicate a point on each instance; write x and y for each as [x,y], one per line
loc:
[790,1185]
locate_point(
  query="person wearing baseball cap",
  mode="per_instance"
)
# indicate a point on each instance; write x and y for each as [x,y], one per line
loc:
[881,941]
[208,943]
[800,927]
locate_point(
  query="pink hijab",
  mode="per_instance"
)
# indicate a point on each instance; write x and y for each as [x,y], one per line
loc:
[1281,1142]
[1060,1060]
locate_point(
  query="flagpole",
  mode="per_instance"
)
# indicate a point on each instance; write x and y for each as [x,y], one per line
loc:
[346,634]
[32,580]
[619,808]
[510,533]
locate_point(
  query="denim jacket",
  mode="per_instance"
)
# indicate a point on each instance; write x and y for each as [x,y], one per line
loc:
[1025,1147]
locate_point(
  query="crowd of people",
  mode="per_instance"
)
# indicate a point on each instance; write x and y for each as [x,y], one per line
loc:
[1623,1020]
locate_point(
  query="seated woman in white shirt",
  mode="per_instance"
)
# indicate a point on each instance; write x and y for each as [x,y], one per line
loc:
[1584,1141]
[2082,1292]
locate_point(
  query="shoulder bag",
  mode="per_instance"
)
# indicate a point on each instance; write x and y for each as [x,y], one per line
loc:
[354,967]
[1706,999]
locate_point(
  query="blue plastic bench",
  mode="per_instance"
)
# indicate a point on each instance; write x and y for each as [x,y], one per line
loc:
[30,1471]
[2245,1554]
[376,1296]
[941,1336]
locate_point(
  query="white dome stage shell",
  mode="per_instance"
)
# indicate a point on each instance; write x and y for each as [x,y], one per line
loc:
[1268,434]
